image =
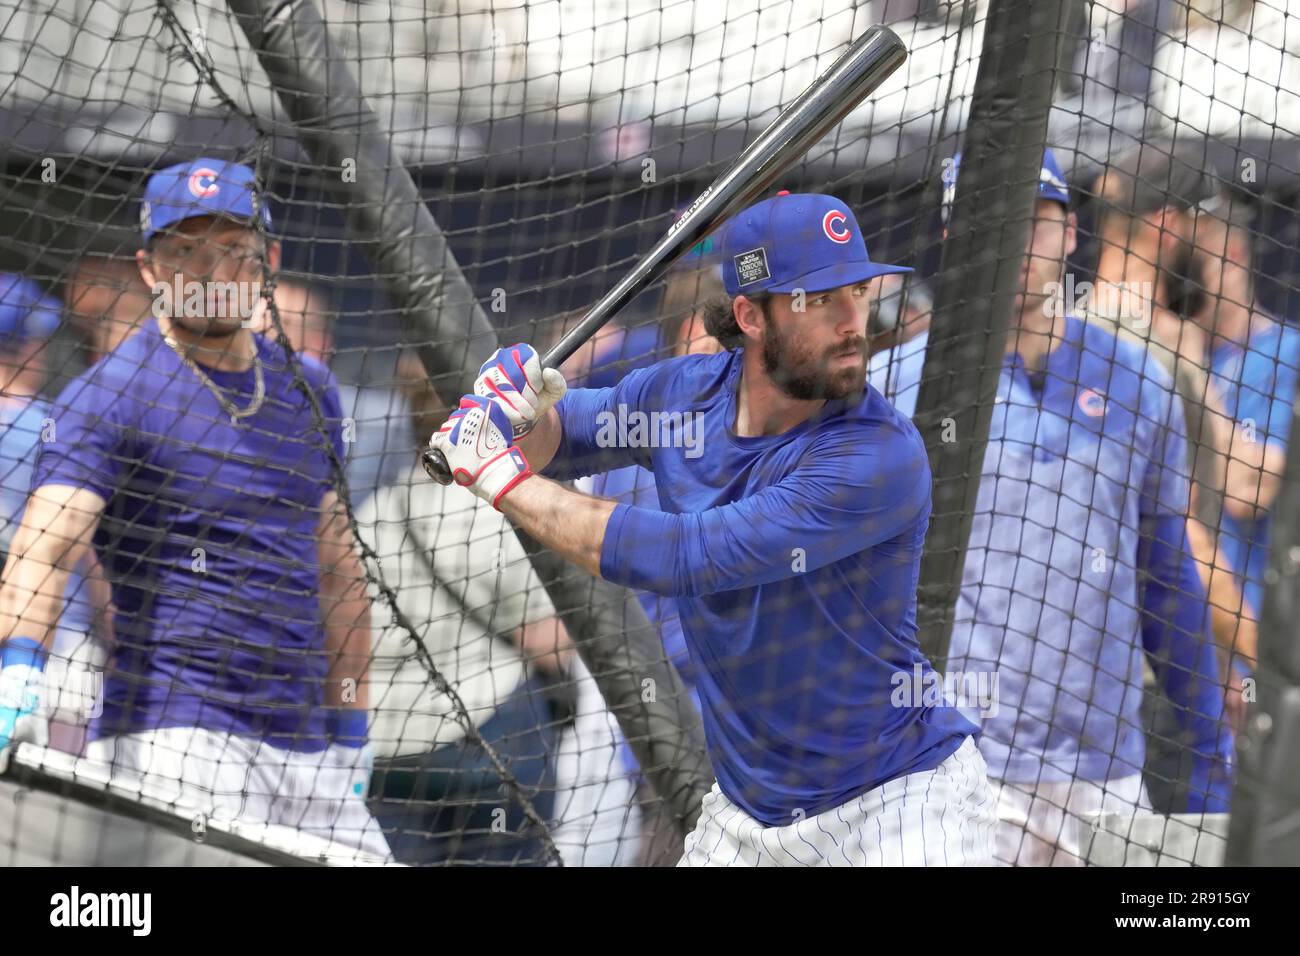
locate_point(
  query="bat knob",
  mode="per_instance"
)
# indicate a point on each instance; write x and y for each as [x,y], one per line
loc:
[435,466]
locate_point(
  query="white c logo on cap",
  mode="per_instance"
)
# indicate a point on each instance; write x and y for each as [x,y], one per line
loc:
[834,225]
[203,182]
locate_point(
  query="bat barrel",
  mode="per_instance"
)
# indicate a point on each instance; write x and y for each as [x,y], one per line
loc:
[866,64]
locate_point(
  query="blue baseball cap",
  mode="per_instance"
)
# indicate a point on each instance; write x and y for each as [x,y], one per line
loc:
[1051,182]
[795,241]
[201,187]
[26,311]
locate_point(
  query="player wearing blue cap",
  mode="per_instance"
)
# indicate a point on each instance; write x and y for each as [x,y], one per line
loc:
[1078,559]
[794,507]
[29,317]
[191,458]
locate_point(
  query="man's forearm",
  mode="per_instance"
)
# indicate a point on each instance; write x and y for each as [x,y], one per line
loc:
[564,521]
[31,598]
[539,445]
[347,639]
[58,526]
[345,607]
[1234,629]
[1254,476]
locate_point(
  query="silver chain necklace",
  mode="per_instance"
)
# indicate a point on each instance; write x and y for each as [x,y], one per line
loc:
[259,388]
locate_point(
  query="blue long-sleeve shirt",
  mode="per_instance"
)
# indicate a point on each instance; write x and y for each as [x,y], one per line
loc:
[1050,589]
[794,559]
[1257,384]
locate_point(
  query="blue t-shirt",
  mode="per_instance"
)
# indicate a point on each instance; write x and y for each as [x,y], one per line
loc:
[208,538]
[1257,385]
[1049,596]
[794,561]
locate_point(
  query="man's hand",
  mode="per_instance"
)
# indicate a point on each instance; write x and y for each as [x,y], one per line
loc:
[22,716]
[479,450]
[515,380]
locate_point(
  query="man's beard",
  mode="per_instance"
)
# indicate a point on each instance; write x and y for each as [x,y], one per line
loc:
[209,328]
[805,378]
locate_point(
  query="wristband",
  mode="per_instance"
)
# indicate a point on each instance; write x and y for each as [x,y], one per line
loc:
[348,727]
[23,652]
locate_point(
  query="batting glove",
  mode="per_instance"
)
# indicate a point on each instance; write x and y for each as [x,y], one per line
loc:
[22,711]
[514,378]
[349,747]
[477,444]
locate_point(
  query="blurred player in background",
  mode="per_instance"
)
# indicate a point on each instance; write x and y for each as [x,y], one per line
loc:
[793,504]
[1078,559]
[901,313]
[29,318]
[1253,359]
[461,577]
[1150,197]
[375,417]
[191,459]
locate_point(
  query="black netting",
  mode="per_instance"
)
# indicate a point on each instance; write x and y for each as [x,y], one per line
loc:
[1106,416]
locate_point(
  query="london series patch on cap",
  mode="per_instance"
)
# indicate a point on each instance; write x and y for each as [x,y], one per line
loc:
[751,266]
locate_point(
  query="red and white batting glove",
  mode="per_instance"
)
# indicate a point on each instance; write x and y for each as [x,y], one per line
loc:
[514,379]
[479,450]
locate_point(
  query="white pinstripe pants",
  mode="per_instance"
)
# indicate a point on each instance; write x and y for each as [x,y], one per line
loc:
[238,778]
[1044,824]
[940,817]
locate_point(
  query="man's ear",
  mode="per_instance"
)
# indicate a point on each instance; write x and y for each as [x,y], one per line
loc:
[145,265]
[1071,234]
[748,315]
[273,256]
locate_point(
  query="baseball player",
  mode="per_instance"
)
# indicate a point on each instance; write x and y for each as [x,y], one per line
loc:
[190,457]
[789,531]
[1078,559]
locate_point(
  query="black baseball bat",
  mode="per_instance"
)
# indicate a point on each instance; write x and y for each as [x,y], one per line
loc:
[866,64]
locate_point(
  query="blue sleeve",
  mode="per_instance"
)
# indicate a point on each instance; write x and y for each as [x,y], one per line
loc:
[1177,637]
[852,489]
[331,406]
[91,434]
[591,422]
[1166,485]
[1268,389]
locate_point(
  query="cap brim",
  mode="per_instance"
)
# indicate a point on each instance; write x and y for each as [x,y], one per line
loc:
[838,275]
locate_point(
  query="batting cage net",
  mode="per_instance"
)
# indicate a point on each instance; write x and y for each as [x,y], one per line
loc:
[257,251]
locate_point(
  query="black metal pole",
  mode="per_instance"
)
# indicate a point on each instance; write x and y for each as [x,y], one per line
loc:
[415,266]
[978,282]
[1264,828]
